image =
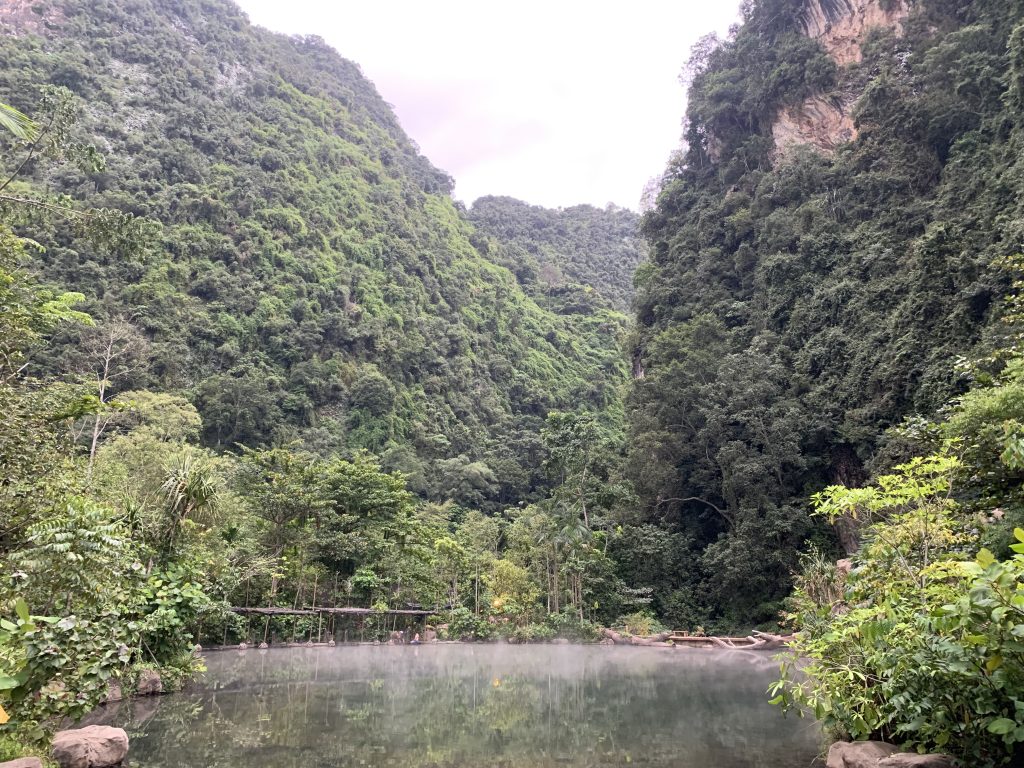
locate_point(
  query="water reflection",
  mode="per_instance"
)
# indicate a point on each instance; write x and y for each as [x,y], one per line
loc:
[463,705]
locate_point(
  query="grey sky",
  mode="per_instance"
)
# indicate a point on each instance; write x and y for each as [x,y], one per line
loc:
[556,103]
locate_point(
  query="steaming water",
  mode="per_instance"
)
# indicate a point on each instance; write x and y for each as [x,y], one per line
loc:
[463,706]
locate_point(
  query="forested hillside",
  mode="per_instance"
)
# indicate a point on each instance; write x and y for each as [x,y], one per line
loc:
[824,251]
[253,354]
[309,277]
[567,254]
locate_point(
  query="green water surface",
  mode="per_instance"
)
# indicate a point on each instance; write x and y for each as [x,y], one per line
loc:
[470,705]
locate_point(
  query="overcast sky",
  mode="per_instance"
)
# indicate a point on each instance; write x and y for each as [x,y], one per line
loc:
[556,102]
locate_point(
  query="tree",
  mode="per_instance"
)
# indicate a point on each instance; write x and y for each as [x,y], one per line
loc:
[112,351]
[191,495]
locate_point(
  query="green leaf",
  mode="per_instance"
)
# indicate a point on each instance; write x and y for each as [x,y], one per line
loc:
[1002,726]
[17,123]
[21,608]
[985,558]
[7,683]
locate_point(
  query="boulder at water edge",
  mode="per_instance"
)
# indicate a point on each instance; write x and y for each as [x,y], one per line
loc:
[23,762]
[96,746]
[859,754]
[877,754]
[114,693]
[149,683]
[907,760]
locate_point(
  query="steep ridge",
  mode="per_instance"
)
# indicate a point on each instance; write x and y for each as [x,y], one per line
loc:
[312,278]
[841,27]
[797,304]
[567,254]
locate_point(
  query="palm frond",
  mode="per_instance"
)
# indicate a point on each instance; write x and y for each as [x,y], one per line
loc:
[17,123]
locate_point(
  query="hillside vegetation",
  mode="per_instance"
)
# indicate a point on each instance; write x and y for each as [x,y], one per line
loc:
[800,301]
[311,278]
[568,254]
[253,354]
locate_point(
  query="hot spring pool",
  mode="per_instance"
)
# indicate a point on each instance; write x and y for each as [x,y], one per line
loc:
[463,706]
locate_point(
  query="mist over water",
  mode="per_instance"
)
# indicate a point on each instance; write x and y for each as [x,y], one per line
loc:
[470,705]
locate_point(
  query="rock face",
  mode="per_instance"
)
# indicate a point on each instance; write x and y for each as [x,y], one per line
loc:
[917,761]
[97,746]
[877,754]
[23,762]
[28,16]
[149,683]
[818,121]
[859,754]
[114,694]
[842,25]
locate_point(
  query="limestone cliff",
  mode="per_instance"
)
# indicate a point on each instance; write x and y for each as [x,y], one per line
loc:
[841,26]
[818,121]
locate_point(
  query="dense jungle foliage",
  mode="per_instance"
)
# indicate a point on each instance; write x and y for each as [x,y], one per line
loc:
[797,304]
[290,371]
[312,280]
[569,254]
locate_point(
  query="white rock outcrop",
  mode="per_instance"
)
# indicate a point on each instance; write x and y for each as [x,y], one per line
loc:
[95,746]
[842,25]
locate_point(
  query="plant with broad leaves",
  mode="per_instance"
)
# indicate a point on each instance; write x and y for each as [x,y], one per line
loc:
[58,666]
[925,649]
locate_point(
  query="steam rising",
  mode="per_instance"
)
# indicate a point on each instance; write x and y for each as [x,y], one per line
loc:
[469,705]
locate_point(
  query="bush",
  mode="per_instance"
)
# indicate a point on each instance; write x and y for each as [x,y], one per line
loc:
[570,626]
[640,623]
[463,624]
[926,649]
[532,633]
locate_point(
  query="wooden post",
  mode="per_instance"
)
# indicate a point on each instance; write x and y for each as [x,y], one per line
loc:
[319,616]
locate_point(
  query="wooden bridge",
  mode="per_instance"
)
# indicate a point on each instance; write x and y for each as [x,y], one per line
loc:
[316,610]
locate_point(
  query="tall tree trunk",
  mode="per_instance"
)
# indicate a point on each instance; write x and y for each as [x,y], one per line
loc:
[99,415]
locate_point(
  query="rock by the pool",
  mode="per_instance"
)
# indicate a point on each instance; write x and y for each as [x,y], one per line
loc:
[23,762]
[114,695]
[96,746]
[878,754]
[859,754]
[149,683]
[909,760]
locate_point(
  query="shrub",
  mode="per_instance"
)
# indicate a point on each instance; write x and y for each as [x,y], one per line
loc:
[532,633]
[927,647]
[463,624]
[640,623]
[569,625]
